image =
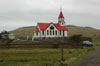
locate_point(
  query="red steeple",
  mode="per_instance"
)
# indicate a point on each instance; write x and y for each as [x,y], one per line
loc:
[61,14]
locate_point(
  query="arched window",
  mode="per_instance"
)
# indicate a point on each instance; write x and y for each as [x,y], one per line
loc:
[47,32]
[50,32]
[60,32]
[51,27]
[56,32]
[63,33]
[43,32]
[53,32]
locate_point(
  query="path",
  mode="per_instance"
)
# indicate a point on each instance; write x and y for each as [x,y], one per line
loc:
[93,59]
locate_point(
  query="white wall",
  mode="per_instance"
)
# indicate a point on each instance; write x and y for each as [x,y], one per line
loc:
[36,36]
[55,29]
[66,34]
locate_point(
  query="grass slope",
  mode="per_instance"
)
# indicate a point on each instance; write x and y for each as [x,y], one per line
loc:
[40,56]
[24,31]
[85,31]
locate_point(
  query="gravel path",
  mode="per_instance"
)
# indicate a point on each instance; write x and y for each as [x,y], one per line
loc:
[92,59]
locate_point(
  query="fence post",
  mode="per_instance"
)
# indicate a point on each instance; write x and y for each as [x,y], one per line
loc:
[62,54]
[32,38]
[27,37]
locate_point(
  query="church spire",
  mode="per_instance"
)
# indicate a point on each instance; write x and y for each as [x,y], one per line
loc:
[61,18]
[61,14]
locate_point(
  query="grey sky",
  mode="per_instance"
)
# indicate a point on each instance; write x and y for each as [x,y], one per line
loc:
[19,13]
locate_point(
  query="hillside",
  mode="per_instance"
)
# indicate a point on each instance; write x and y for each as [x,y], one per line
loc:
[23,31]
[85,31]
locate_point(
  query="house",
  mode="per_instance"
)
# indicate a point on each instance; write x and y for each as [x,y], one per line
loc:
[51,30]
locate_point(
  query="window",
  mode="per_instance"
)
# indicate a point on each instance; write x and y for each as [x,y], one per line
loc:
[56,32]
[47,32]
[36,33]
[53,32]
[43,32]
[50,32]
[63,33]
[62,23]
[60,32]
[51,27]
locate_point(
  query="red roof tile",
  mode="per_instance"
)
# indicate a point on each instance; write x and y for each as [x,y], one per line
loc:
[61,15]
[60,27]
[43,26]
[37,30]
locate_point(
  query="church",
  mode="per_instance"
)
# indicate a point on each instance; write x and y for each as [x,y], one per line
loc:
[51,30]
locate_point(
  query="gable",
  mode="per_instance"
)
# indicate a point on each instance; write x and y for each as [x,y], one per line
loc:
[44,26]
[51,27]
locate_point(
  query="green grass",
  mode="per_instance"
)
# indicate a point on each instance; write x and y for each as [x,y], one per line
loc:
[41,56]
[96,41]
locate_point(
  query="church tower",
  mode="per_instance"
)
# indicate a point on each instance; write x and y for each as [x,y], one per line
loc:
[61,19]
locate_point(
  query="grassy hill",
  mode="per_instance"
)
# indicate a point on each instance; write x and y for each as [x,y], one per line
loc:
[24,31]
[85,31]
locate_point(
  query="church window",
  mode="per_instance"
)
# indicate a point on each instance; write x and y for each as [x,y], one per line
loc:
[60,32]
[43,32]
[53,32]
[50,32]
[51,27]
[47,32]
[63,33]
[56,32]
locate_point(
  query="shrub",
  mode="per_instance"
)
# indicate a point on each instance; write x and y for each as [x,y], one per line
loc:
[4,37]
[86,38]
[75,38]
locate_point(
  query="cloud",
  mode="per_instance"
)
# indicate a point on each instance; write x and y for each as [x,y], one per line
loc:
[24,6]
[29,12]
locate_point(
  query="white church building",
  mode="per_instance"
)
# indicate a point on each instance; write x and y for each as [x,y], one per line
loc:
[51,30]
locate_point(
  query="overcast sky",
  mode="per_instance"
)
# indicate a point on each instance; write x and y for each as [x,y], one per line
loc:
[19,13]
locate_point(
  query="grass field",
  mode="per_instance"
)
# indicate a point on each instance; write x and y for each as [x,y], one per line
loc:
[96,41]
[41,56]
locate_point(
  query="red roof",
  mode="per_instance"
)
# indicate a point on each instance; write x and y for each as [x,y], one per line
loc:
[37,30]
[61,15]
[60,27]
[43,26]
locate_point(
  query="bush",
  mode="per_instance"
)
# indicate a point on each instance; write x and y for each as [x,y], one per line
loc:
[55,46]
[86,38]
[75,38]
